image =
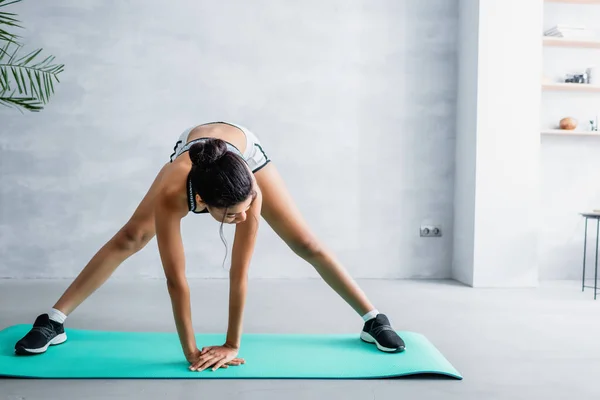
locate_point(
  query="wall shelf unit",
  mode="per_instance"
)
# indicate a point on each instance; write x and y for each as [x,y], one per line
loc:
[574,1]
[551,41]
[547,83]
[571,87]
[564,132]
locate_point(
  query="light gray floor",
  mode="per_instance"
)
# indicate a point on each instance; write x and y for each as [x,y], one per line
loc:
[509,344]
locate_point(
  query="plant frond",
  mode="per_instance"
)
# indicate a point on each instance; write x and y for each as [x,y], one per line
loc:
[9,37]
[26,81]
[20,103]
[31,77]
[3,3]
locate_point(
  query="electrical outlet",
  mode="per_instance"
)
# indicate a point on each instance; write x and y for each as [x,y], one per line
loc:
[431,231]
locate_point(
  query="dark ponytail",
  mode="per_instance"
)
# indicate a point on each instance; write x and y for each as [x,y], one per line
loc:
[206,153]
[220,177]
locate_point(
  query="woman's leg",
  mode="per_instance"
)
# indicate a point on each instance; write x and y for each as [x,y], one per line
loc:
[284,217]
[281,213]
[131,238]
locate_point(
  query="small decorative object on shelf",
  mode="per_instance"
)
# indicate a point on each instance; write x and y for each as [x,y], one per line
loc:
[594,125]
[568,123]
[581,78]
[568,31]
[593,75]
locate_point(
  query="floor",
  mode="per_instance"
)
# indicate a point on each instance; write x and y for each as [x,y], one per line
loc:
[539,343]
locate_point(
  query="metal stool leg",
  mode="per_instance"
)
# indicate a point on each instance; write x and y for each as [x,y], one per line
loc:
[596,273]
[584,252]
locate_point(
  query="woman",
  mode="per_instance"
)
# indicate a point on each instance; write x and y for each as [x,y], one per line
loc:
[220,169]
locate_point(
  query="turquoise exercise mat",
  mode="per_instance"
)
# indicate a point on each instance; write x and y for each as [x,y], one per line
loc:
[103,354]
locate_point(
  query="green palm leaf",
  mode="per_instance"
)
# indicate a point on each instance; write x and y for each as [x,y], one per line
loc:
[8,19]
[27,103]
[26,80]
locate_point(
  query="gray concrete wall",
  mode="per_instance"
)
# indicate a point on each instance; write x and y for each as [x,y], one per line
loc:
[353,100]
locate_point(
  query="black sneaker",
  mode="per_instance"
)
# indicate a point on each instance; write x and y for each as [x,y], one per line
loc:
[45,332]
[379,331]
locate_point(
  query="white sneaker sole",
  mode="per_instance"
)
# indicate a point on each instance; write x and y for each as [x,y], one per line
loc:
[369,339]
[58,339]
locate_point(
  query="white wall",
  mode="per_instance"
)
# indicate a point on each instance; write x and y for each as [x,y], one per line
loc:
[466,142]
[506,153]
[353,100]
[507,183]
[570,167]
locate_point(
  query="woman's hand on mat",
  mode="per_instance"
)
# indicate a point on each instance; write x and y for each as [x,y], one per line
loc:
[216,357]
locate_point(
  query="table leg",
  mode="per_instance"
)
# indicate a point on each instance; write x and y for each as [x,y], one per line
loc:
[584,251]
[596,273]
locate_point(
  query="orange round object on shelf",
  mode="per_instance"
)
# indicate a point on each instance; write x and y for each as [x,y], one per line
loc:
[568,123]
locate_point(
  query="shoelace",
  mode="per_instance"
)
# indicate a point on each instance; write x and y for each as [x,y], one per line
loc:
[46,331]
[378,329]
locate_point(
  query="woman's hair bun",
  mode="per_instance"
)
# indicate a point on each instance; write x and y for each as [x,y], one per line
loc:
[207,152]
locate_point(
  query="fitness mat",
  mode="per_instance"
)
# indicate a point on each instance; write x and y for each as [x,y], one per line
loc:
[109,354]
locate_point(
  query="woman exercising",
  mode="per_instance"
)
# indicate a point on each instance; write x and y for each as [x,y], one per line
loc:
[220,169]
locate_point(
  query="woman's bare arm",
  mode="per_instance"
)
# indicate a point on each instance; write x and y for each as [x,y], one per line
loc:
[243,248]
[168,217]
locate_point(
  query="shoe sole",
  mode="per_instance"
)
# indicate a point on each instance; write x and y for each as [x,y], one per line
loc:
[58,339]
[365,337]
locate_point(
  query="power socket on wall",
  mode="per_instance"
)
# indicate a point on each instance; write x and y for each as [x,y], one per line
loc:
[431,231]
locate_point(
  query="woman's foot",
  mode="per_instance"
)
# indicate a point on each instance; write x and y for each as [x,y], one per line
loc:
[379,331]
[45,332]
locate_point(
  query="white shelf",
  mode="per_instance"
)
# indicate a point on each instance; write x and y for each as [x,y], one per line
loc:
[574,1]
[564,132]
[590,43]
[568,42]
[571,87]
